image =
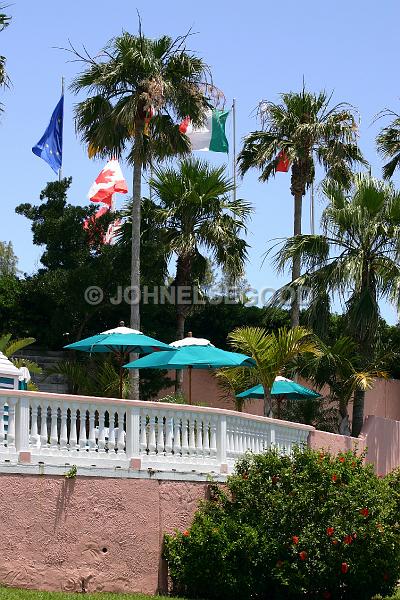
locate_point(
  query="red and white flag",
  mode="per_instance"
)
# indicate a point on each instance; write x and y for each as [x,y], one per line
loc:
[109,181]
[112,231]
[283,162]
[90,221]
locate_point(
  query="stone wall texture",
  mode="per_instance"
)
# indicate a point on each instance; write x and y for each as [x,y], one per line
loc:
[92,534]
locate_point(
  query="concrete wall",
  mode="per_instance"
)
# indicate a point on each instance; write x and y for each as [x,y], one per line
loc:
[333,443]
[382,443]
[102,534]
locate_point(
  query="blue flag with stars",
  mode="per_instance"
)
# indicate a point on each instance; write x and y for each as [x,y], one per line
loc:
[49,147]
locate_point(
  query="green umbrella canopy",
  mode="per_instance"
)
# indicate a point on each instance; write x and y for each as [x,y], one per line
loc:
[120,340]
[285,388]
[196,356]
[192,353]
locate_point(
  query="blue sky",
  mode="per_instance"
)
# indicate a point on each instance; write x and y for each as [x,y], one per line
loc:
[255,51]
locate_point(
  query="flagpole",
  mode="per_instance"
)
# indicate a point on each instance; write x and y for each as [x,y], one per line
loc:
[234,145]
[62,94]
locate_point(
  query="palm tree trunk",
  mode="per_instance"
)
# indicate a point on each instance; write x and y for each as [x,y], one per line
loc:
[358,412]
[135,261]
[267,402]
[295,308]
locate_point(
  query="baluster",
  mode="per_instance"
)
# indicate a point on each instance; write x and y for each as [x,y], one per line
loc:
[185,432]
[44,434]
[92,432]
[169,434]
[63,429]
[82,428]
[143,433]
[192,439]
[206,437]
[73,436]
[230,438]
[177,435]
[241,441]
[199,437]
[53,430]
[102,432]
[2,429]
[34,437]
[11,423]
[160,434]
[213,436]
[152,433]
[111,432]
[121,432]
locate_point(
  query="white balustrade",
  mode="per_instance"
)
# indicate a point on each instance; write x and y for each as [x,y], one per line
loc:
[63,430]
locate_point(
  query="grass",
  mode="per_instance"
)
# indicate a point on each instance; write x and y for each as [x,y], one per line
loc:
[17,594]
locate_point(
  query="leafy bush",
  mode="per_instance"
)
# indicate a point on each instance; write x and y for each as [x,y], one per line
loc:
[310,526]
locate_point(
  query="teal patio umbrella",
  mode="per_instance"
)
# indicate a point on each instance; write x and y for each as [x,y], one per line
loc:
[192,353]
[121,341]
[282,389]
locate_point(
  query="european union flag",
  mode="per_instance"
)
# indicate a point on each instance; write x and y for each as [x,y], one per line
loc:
[49,147]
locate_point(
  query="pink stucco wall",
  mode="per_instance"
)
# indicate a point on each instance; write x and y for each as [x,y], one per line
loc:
[53,531]
[322,440]
[383,443]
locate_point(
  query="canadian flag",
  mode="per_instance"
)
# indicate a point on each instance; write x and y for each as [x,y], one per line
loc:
[112,231]
[90,221]
[109,181]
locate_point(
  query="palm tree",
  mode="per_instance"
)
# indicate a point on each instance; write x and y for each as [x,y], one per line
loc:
[305,130]
[5,20]
[198,220]
[274,353]
[356,256]
[388,142]
[139,91]
[9,347]
[339,368]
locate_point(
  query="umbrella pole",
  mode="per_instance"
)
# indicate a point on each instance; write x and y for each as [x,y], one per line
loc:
[120,382]
[190,385]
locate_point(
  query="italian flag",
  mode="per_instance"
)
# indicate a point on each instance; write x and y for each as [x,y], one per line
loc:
[211,137]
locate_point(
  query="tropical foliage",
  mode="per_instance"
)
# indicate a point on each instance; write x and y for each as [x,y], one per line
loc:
[388,143]
[305,130]
[198,220]
[274,353]
[314,525]
[355,257]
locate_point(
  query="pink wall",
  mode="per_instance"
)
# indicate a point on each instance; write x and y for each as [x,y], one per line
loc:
[206,392]
[55,530]
[383,443]
[333,443]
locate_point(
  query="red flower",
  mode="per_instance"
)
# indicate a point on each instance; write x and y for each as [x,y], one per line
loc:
[335,542]
[334,478]
[295,540]
[186,533]
[275,479]
[342,459]
[303,555]
[327,596]
[347,539]
[329,531]
[353,464]
[344,567]
[364,512]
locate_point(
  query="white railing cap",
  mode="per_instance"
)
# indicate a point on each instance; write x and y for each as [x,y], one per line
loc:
[75,399]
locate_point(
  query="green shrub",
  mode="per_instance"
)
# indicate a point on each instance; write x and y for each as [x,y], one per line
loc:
[310,526]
